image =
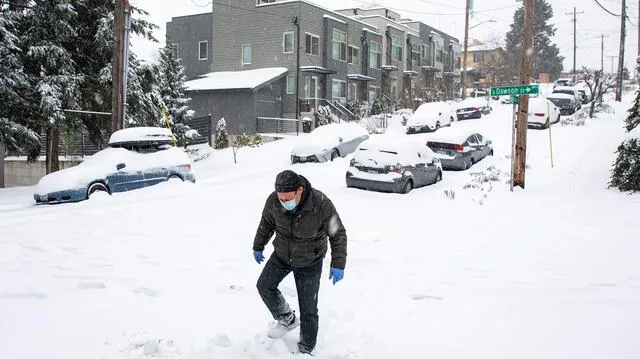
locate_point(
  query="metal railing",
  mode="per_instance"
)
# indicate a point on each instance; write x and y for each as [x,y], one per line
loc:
[277,125]
[343,113]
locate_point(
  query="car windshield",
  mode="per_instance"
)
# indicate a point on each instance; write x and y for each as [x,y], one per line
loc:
[568,92]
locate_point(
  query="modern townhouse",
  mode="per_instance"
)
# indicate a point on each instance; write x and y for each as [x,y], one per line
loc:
[291,56]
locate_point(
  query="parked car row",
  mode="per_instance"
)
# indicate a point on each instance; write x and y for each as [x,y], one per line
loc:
[392,164]
[136,158]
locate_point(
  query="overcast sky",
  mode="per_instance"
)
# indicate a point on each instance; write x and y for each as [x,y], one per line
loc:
[448,15]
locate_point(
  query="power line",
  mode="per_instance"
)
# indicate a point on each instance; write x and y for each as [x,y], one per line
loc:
[605,9]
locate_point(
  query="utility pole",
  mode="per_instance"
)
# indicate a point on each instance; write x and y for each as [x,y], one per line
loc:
[623,20]
[122,14]
[466,44]
[575,21]
[612,68]
[523,102]
[602,53]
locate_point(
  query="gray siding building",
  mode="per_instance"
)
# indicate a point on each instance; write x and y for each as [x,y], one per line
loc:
[191,38]
[332,58]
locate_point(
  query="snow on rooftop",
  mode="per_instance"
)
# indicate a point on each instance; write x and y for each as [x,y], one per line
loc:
[228,80]
[333,18]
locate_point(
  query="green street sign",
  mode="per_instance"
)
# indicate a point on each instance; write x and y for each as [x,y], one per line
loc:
[514,90]
[515,99]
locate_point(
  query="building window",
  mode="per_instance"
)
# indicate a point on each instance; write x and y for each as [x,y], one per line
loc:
[396,48]
[476,58]
[375,55]
[339,45]
[311,44]
[354,55]
[415,55]
[426,59]
[246,54]
[352,94]
[203,50]
[339,91]
[438,50]
[291,84]
[287,42]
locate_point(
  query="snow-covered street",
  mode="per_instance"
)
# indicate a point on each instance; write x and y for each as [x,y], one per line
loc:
[460,269]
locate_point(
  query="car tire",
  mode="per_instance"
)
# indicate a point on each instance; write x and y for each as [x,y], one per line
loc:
[174,177]
[407,186]
[96,187]
[438,177]
[491,152]
[334,154]
[437,125]
[468,164]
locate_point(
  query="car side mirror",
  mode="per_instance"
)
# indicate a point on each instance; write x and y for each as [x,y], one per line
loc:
[440,114]
[120,166]
[340,139]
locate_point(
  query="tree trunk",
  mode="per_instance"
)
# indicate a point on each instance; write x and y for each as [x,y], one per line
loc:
[591,108]
[53,138]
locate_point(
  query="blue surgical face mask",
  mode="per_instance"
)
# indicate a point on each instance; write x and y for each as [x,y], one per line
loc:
[289,205]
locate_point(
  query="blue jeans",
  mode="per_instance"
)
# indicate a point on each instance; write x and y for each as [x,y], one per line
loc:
[307,284]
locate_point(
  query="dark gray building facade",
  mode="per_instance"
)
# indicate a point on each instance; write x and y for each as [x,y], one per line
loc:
[332,57]
[190,36]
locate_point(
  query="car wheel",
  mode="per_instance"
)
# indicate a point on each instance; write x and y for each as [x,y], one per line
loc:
[408,186]
[437,125]
[175,178]
[491,152]
[96,187]
[334,154]
[468,164]
[438,177]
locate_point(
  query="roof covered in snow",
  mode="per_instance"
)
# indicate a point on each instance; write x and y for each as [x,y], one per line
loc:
[233,80]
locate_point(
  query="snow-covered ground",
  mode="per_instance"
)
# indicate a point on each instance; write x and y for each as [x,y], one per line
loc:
[460,269]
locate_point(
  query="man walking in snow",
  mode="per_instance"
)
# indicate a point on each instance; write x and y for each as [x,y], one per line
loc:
[303,219]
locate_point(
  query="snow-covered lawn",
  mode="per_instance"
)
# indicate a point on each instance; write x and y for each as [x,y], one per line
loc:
[460,269]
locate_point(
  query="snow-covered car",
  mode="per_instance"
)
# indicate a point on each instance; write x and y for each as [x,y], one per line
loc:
[473,107]
[565,81]
[391,164]
[430,116]
[542,112]
[565,102]
[459,148]
[136,157]
[569,90]
[325,143]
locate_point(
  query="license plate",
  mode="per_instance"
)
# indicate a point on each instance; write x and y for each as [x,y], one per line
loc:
[372,171]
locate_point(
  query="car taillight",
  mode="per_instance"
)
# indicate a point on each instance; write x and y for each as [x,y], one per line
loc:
[540,114]
[352,162]
[475,109]
[459,148]
[428,143]
[188,165]
[399,168]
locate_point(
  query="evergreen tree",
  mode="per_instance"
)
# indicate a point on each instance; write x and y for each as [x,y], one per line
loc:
[626,170]
[222,136]
[172,88]
[546,56]
[15,136]
[633,120]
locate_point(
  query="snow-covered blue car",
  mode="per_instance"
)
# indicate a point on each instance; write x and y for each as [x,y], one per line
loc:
[136,158]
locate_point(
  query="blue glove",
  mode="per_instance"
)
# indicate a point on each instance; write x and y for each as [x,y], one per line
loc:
[257,255]
[336,274]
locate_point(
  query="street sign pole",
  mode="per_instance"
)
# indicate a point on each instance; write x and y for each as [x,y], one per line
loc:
[513,145]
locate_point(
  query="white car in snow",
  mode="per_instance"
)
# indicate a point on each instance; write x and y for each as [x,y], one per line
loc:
[541,112]
[430,116]
[326,143]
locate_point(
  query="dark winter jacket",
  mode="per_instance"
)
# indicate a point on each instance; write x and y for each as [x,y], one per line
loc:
[301,234]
